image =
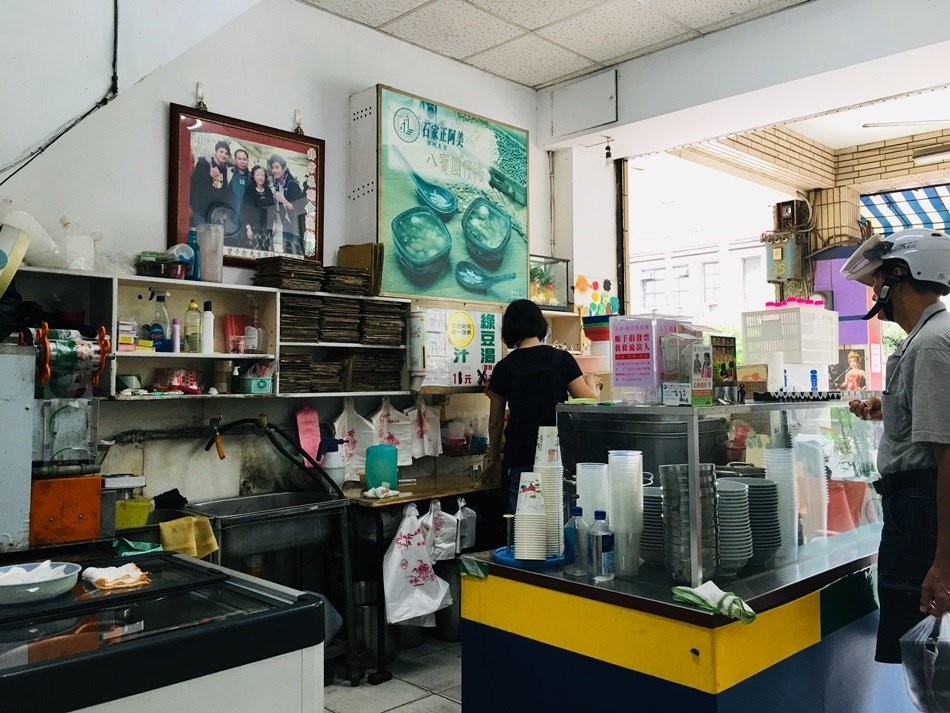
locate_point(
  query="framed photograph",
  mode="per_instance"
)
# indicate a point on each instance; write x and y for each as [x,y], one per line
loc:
[264,186]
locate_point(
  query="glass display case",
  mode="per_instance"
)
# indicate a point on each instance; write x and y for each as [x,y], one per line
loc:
[549,282]
[755,496]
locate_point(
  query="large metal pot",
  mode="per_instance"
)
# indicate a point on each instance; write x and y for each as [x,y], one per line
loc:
[662,439]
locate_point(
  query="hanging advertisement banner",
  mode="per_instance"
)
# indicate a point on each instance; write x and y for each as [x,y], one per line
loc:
[632,352]
[461,347]
[452,210]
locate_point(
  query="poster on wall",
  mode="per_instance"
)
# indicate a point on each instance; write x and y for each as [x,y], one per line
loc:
[452,208]
[632,352]
[849,374]
[461,347]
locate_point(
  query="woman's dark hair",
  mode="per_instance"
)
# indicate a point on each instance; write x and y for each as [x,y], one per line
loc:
[522,319]
[258,167]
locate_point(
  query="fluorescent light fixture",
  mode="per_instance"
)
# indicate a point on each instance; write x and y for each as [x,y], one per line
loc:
[877,124]
[935,154]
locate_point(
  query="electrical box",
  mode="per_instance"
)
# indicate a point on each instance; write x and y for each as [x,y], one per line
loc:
[783,257]
[792,216]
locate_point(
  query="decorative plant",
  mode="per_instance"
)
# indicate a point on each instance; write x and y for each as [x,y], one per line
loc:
[853,441]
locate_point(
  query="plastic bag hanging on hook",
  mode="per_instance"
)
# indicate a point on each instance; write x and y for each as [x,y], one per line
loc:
[357,435]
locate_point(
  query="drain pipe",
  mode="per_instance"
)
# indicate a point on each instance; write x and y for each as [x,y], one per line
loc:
[550,201]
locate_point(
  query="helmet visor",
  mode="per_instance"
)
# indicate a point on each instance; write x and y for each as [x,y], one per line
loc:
[866,259]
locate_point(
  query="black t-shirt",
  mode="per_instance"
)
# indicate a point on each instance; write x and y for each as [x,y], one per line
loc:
[533,381]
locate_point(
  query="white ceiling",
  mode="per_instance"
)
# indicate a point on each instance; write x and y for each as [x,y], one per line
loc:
[541,42]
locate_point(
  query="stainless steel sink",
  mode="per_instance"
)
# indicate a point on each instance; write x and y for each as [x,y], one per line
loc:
[252,524]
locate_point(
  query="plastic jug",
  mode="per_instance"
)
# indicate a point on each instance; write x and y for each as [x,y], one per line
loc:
[381,465]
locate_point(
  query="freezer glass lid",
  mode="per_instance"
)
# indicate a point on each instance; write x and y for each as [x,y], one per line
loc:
[63,635]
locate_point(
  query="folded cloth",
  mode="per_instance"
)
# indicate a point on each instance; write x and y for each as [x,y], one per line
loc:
[127,548]
[381,491]
[188,536]
[124,577]
[170,499]
[711,598]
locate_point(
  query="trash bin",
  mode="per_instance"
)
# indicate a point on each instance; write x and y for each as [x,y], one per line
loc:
[447,619]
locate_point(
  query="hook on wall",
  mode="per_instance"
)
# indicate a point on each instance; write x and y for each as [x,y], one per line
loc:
[298,119]
[200,97]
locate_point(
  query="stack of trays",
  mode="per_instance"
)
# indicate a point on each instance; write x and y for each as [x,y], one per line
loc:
[288,273]
[383,323]
[327,375]
[373,371]
[346,280]
[676,528]
[295,372]
[389,371]
[300,318]
[651,540]
[339,321]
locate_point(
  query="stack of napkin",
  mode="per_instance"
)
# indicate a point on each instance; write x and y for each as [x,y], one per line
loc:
[711,598]
[379,492]
[124,577]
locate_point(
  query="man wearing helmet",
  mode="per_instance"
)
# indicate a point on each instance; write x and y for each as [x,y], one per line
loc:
[908,272]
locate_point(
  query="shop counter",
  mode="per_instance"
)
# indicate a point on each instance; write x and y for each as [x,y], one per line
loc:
[560,643]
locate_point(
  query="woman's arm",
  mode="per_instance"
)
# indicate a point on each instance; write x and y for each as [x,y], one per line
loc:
[496,425]
[579,389]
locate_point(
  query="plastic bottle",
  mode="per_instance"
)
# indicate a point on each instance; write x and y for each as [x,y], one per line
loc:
[192,328]
[211,242]
[575,545]
[236,381]
[600,549]
[255,338]
[207,329]
[160,329]
[176,335]
[196,264]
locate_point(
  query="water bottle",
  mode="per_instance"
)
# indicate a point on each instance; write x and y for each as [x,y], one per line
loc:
[600,549]
[575,545]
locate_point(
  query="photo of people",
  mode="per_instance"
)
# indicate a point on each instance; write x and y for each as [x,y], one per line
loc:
[848,374]
[262,190]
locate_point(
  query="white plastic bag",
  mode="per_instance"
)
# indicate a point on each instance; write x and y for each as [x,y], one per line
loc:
[466,517]
[925,651]
[357,435]
[426,438]
[392,427]
[409,581]
[441,532]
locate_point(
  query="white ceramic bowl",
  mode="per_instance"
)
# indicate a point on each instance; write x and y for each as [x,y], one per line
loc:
[38,591]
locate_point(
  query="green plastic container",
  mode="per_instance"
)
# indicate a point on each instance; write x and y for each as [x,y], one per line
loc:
[381,461]
[256,384]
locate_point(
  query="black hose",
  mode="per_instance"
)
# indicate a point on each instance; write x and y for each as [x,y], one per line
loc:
[317,469]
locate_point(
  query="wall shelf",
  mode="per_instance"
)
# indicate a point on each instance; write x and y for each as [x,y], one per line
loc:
[191,355]
[332,394]
[347,345]
[369,298]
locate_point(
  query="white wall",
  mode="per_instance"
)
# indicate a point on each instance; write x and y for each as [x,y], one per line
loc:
[57,64]
[279,56]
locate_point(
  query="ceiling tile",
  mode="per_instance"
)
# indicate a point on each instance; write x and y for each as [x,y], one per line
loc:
[655,47]
[452,28]
[708,16]
[530,60]
[370,12]
[534,13]
[613,28]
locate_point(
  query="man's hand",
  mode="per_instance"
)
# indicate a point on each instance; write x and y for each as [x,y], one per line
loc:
[215,173]
[935,591]
[866,410]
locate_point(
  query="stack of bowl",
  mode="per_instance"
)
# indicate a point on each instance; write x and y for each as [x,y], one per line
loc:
[676,525]
[763,517]
[735,532]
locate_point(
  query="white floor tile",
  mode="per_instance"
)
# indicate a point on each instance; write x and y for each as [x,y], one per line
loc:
[435,672]
[430,704]
[426,647]
[455,648]
[454,693]
[342,698]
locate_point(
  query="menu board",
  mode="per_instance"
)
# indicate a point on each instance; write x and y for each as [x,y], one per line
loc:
[452,208]
[461,347]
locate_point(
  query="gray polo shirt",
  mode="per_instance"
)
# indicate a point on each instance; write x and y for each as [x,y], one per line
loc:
[914,400]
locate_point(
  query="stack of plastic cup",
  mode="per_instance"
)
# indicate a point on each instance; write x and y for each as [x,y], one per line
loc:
[780,467]
[625,516]
[592,493]
[530,519]
[548,469]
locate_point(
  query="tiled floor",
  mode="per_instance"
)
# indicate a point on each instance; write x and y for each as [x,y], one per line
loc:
[426,679]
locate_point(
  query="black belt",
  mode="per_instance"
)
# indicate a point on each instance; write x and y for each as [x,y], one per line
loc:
[890,484]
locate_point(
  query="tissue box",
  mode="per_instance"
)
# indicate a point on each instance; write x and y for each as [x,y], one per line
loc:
[256,384]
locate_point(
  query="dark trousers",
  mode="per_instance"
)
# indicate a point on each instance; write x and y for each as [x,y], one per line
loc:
[908,547]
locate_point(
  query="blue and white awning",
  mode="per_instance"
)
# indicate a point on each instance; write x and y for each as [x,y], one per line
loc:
[915,208]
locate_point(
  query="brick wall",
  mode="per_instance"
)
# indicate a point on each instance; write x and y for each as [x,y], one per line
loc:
[889,165]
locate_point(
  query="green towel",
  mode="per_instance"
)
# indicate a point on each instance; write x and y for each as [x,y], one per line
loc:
[709,597]
[126,548]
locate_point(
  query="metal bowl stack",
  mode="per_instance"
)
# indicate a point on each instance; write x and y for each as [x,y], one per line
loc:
[676,527]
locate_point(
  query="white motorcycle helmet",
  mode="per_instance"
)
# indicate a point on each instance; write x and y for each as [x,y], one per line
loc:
[926,252]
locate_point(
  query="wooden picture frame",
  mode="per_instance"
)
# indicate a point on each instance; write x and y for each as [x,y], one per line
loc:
[209,181]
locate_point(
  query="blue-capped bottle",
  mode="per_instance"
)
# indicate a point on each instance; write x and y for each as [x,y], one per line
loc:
[193,244]
[575,545]
[600,549]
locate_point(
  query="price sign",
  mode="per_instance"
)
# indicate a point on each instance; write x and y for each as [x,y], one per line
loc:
[675,394]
